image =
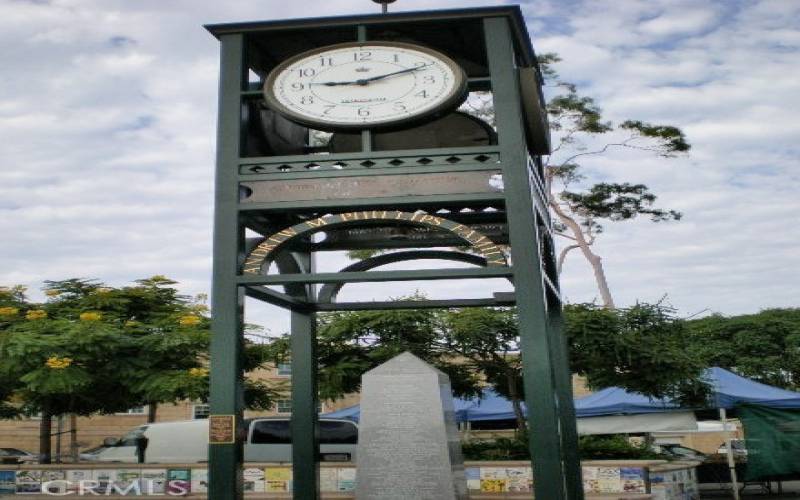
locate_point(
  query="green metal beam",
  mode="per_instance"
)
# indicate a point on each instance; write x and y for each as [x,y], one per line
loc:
[413,304]
[277,298]
[545,441]
[357,203]
[225,460]
[373,276]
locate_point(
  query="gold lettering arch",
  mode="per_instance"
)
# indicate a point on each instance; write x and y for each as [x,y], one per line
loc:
[480,243]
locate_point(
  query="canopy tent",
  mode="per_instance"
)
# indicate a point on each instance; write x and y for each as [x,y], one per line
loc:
[494,407]
[728,390]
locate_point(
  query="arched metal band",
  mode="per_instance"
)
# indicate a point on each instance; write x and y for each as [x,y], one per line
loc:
[265,251]
[328,293]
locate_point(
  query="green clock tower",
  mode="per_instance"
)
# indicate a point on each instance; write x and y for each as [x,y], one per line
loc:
[349,133]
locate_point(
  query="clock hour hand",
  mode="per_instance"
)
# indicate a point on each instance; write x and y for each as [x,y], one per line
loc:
[365,81]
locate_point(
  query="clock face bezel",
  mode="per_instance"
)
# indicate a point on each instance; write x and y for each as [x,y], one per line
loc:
[456,96]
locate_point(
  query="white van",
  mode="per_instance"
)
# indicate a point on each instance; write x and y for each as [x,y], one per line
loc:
[268,440]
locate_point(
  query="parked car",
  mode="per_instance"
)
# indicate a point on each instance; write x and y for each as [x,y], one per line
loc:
[268,440]
[89,454]
[738,447]
[16,456]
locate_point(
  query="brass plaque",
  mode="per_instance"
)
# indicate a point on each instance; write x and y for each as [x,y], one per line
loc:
[221,429]
[334,188]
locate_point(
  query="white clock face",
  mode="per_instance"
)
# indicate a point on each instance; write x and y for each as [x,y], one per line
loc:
[365,84]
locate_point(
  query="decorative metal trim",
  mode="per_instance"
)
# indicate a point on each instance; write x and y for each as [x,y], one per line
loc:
[480,243]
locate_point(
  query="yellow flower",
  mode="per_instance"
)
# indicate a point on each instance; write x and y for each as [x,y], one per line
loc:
[131,323]
[189,320]
[52,293]
[56,363]
[36,314]
[91,316]
[198,372]
[8,311]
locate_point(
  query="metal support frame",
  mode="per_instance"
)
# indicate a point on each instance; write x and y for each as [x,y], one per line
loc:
[547,379]
[547,441]
[227,299]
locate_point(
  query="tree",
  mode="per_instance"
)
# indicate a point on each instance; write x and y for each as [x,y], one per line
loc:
[96,349]
[640,348]
[764,346]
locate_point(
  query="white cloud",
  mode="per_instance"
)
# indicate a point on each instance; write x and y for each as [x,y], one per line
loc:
[107,113]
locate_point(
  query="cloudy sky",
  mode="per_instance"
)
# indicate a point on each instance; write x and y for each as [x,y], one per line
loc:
[107,126]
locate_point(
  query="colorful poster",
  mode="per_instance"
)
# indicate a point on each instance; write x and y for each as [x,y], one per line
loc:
[272,486]
[29,482]
[154,481]
[8,482]
[493,485]
[520,479]
[199,480]
[608,480]
[254,479]
[328,479]
[589,473]
[179,481]
[347,479]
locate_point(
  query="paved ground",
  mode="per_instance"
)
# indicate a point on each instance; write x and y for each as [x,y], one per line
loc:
[790,490]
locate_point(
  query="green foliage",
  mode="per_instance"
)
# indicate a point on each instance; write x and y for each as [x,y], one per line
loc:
[763,346]
[671,139]
[617,202]
[641,348]
[610,447]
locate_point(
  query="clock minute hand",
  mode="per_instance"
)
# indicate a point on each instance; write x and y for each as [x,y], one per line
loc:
[365,81]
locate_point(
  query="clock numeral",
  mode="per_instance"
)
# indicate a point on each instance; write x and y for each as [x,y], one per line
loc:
[363,112]
[328,108]
[307,99]
[428,79]
[362,56]
[399,106]
[326,61]
[396,58]
[306,72]
[421,93]
[298,86]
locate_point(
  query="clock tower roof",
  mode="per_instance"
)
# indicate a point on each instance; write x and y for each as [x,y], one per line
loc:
[512,12]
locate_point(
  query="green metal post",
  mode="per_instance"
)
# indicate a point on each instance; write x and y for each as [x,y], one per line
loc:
[305,425]
[225,460]
[540,397]
[566,405]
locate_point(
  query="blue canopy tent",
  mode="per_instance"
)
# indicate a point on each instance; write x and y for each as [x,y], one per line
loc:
[728,390]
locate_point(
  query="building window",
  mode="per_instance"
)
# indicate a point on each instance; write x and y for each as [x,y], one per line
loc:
[284,406]
[201,411]
[285,369]
[136,410]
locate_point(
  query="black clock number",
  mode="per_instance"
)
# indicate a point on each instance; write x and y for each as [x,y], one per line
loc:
[363,112]
[400,106]
[328,109]
[396,58]
[307,72]
[421,93]
[428,79]
[362,56]
[307,99]
[298,86]
[326,61]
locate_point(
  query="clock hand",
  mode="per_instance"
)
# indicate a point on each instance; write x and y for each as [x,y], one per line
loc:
[365,81]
